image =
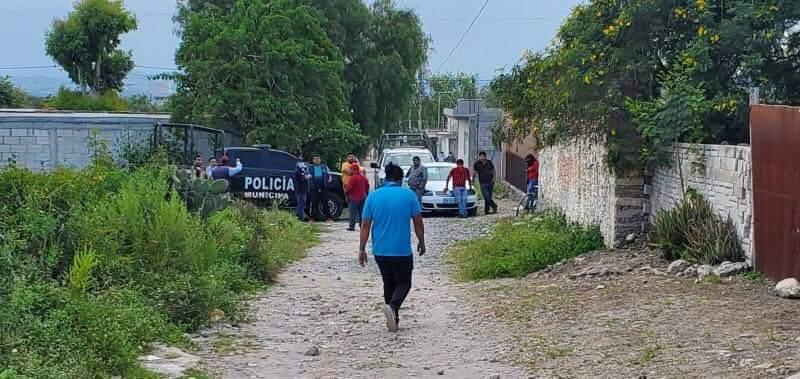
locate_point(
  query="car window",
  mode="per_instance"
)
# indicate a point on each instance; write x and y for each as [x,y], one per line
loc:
[250,158]
[405,159]
[438,173]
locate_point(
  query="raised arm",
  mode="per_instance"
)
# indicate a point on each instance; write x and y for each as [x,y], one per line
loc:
[235,170]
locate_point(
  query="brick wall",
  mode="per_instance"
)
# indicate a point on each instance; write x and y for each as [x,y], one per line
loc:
[42,140]
[575,179]
[724,179]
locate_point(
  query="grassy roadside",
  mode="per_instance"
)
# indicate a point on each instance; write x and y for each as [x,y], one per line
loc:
[95,264]
[518,247]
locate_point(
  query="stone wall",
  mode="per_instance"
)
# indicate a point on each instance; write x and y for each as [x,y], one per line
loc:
[722,175]
[575,179]
[42,140]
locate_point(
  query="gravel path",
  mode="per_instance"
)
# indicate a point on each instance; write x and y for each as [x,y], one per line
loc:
[322,319]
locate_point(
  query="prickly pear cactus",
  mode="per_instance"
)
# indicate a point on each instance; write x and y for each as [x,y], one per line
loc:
[202,196]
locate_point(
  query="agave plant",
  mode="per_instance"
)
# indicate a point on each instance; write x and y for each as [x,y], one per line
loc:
[202,196]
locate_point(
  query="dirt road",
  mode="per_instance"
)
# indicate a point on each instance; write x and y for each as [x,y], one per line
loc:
[322,319]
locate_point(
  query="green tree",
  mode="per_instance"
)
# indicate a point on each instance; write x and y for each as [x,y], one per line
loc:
[85,44]
[645,73]
[11,96]
[441,91]
[269,70]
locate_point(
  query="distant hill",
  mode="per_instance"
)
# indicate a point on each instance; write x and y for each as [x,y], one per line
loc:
[42,84]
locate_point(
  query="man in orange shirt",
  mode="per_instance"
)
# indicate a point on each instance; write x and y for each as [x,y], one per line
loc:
[460,176]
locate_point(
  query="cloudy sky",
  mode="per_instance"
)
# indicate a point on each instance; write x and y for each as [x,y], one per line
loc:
[504,30]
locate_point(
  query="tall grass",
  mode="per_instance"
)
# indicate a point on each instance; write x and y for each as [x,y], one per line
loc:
[95,264]
[518,247]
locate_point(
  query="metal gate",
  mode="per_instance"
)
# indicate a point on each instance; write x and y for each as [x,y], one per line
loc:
[775,140]
[516,171]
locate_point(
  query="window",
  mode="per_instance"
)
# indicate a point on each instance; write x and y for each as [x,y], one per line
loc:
[405,159]
[438,173]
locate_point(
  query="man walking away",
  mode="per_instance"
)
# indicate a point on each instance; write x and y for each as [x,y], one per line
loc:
[223,171]
[533,178]
[386,215]
[356,191]
[320,177]
[484,170]
[460,176]
[301,187]
[417,178]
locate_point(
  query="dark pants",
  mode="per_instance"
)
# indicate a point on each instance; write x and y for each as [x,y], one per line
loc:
[316,197]
[487,189]
[396,273]
[300,210]
[356,208]
[419,192]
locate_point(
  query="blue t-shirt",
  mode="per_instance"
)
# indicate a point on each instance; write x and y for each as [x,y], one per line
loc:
[391,209]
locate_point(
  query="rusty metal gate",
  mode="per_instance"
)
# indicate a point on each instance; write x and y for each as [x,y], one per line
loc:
[775,140]
[516,171]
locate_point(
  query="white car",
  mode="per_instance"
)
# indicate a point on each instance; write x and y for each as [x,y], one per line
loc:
[401,156]
[435,200]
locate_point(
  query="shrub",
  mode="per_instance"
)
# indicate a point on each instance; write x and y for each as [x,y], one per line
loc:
[66,99]
[519,247]
[694,231]
[97,263]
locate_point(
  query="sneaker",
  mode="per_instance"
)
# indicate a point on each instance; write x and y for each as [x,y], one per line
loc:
[391,318]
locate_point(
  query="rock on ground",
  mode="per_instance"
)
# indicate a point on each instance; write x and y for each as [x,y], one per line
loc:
[168,361]
[788,288]
[678,266]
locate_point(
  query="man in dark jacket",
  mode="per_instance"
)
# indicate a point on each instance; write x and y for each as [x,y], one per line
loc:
[417,178]
[301,187]
[484,170]
[320,177]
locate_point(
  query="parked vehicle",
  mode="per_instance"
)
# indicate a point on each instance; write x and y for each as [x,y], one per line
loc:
[400,148]
[268,177]
[435,200]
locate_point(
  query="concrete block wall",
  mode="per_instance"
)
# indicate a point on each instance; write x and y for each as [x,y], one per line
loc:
[725,179]
[42,140]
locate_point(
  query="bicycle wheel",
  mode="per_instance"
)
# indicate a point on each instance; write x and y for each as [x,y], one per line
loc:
[522,208]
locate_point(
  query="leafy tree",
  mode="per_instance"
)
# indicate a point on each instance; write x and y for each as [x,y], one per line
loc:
[142,104]
[269,70]
[85,44]
[441,91]
[645,73]
[11,96]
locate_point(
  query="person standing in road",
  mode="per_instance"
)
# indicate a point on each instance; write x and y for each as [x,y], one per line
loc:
[347,168]
[386,217]
[484,170]
[320,177]
[417,178]
[533,178]
[461,183]
[356,190]
[450,158]
[301,188]
[440,157]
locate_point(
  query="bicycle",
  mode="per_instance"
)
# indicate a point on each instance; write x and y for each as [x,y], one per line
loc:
[528,203]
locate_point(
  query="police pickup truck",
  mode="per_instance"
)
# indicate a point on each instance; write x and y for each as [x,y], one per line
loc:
[267,177]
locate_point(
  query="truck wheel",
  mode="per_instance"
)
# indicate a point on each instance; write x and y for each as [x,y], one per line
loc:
[331,207]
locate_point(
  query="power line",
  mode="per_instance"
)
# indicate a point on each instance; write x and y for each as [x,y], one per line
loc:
[27,67]
[156,67]
[463,36]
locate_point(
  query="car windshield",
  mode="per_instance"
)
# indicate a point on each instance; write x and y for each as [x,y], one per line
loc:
[405,159]
[438,173]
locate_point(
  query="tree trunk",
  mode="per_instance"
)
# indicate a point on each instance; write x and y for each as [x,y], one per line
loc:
[81,83]
[97,73]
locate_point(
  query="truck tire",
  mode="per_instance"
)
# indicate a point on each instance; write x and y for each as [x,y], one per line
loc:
[331,207]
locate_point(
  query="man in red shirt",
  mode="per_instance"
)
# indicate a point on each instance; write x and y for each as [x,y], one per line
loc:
[356,190]
[460,176]
[533,176]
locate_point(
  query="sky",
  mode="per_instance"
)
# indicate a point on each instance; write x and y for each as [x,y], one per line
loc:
[504,30]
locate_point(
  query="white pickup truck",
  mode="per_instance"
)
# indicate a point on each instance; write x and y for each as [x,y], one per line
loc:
[401,156]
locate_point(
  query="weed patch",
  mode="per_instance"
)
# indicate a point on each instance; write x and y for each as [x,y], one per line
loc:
[96,264]
[521,246]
